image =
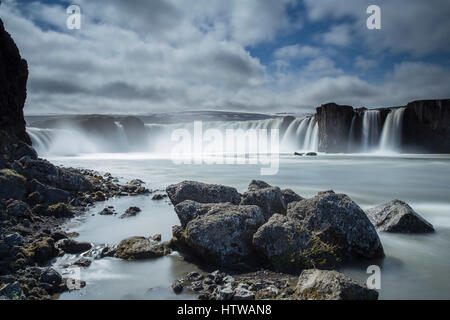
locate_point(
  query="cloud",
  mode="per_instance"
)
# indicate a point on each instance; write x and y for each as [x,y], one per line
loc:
[296,51]
[365,64]
[338,35]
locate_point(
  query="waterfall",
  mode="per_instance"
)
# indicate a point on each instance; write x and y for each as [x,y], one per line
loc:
[391,136]
[300,135]
[370,130]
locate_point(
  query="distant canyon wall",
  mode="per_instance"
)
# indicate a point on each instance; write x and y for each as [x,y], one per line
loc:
[420,126]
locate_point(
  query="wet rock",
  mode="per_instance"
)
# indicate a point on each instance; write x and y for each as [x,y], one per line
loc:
[311,154]
[222,233]
[73,247]
[289,246]
[60,210]
[242,293]
[61,178]
[159,196]
[18,208]
[300,154]
[83,262]
[331,285]
[156,237]
[12,185]
[11,291]
[13,239]
[290,196]
[269,199]
[177,286]
[202,193]
[397,216]
[339,223]
[130,212]
[138,248]
[48,194]
[194,276]
[107,212]
[41,250]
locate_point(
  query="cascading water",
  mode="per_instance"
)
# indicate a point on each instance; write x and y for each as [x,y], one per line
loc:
[300,135]
[391,136]
[370,130]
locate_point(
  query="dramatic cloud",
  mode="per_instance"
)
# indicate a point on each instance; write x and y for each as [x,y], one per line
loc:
[262,56]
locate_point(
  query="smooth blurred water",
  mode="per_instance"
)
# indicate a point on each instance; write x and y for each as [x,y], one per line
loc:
[415,267]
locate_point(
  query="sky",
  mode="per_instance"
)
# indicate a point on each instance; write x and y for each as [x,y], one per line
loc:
[264,56]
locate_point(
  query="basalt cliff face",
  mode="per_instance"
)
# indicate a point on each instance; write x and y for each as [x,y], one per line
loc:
[426,126]
[423,127]
[13,92]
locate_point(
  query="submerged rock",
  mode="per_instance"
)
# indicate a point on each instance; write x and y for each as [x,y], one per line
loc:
[159,196]
[398,216]
[202,193]
[269,199]
[331,285]
[219,234]
[138,248]
[131,212]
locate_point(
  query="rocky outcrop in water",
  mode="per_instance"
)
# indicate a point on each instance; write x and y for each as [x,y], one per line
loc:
[318,232]
[139,248]
[398,217]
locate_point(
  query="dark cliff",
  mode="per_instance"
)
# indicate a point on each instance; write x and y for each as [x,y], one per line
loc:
[13,92]
[334,127]
[426,126]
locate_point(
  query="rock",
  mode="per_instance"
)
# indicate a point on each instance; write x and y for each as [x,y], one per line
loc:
[177,287]
[331,285]
[18,208]
[13,239]
[11,291]
[426,127]
[159,196]
[50,276]
[340,223]
[48,194]
[221,233]
[12,185]
[202,193]
[41,250]
[194,276]
[334,127]
[242,293]
[60,210]
[138,248]
[290,196]
[289,246]
[311,154]
[397,216]
[13,92]
[73,247]
[61,178]
[300,154]
[83,262]
[130,212]
[156,237]
[107,212]
[269,199]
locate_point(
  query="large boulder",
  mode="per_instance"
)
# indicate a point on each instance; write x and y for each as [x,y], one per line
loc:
[12,185]
[73,247]
[331,285]
[219,234]
[202,193]
[47,173]
[138,248]
[398,216]
[289,246]
[269,199]
[340,223]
